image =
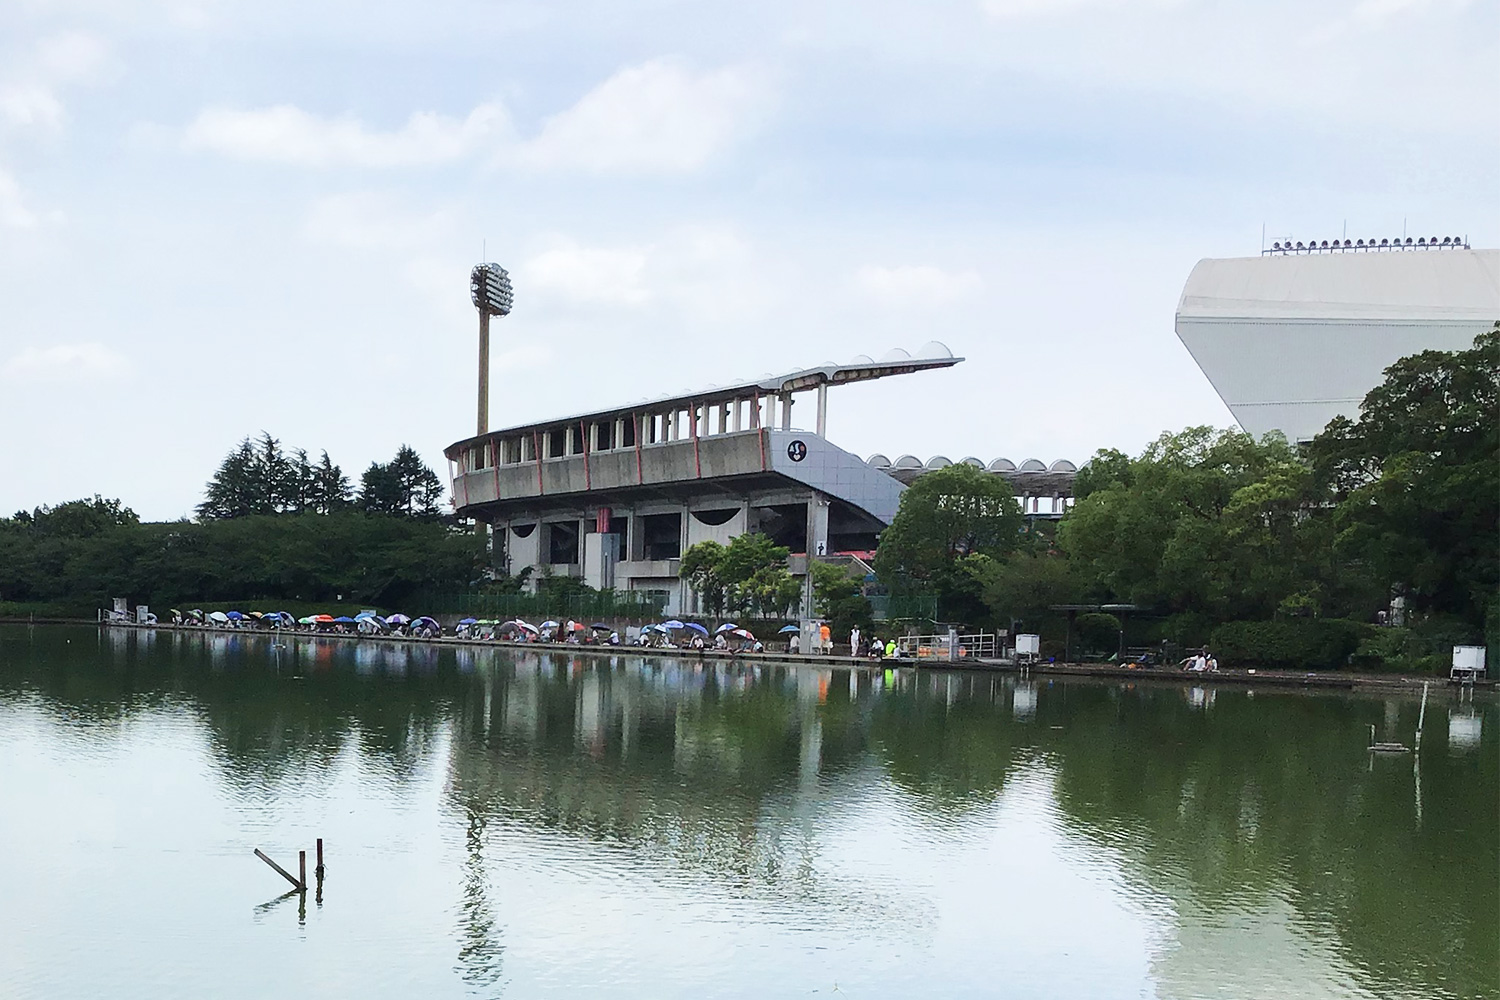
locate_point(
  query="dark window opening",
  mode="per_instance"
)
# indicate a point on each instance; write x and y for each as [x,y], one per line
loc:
[785,524]
[523,530]
[604,434]
[577,448]
[661,536]
[562,542]
[627,433]
[557,443]
[715,518]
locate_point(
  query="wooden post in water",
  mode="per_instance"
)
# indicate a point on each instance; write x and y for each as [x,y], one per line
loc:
[302,869]
[282,871]
[318,871]
[1422,715]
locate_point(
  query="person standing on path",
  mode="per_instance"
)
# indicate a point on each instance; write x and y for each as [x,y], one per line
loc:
[854,641]
[825,637]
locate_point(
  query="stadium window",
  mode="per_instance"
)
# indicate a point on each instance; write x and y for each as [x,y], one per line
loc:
[604,435]
[557,443]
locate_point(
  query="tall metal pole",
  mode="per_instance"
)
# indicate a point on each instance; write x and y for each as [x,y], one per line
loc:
[484,371]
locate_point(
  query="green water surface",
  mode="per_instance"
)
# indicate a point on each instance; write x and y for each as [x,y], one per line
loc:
[546,824]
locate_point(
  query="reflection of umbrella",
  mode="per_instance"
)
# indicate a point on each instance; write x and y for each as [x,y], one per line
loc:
[743,633]
[726,627]
[674,623]
[344,620]
[468,621]
[787,628]
[234,616]
[218,616]
[549,623]
[398,619]
[696,627]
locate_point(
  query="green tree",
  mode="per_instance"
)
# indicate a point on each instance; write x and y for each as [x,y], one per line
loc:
[838,596]
[1417,480]
[1024,585]
[233,491]
[404,486]
[946,517]
[700,568]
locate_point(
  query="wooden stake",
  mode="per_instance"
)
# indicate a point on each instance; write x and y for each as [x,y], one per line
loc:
[318,871]
[282,871]
[302,869]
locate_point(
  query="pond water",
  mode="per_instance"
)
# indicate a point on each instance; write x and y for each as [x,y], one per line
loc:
[536,825]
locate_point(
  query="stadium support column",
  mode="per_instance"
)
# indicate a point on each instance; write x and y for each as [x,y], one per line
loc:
[822,409]
[786,411]
[480,528]
[817,545]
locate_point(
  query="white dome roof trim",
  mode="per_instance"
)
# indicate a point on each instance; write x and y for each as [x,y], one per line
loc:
[878,461]
[934,350]
[1032,465]
[1062,465]
[971,460]
[908,462]
[1002,465]
[939,462]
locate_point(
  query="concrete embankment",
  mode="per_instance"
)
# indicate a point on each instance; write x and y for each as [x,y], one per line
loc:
[1320,680]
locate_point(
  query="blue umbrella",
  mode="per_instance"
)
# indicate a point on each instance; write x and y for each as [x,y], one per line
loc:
[726,627]
[234,616]
[696,627]
[344,620]
[467,621]
[656,628]
[788,628]
[674,623]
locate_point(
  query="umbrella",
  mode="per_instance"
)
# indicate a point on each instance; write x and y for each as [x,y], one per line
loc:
[527,626]
[309,620]
[657,628]
[787,628]
[257,614]
[234,616]
[174,611]
[468,621]
[218,616]
[323,618]
[344,620]
[424,620]
[549,623]
[696,627]
[601,627]
[674,623]
[398,619]
[744,633]
[726,627]
[578,626]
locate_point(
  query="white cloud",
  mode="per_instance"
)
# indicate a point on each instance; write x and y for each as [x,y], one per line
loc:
[590,274]
[86,362]
[28,93]
[13,211]
[1003,9]
[920,284]
[366,220]
[656,117]
[287,134]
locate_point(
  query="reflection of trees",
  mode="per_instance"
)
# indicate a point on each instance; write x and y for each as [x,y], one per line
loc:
[1243,802]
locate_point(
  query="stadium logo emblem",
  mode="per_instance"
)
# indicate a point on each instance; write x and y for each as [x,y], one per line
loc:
[796,451]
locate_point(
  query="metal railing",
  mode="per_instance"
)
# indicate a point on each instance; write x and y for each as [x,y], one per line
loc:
[952,647]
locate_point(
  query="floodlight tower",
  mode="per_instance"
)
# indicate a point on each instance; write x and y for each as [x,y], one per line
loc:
[489,288]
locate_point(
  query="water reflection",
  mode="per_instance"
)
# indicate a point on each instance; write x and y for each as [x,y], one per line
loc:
[1251,843]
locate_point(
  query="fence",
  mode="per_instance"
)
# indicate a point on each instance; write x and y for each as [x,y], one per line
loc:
[602,605]
[946,647]
[904,607]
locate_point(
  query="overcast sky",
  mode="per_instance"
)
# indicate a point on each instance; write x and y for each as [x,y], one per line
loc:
[222,217]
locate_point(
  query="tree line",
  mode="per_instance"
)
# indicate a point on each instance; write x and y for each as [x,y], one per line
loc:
[274,526]
[1393,516]
[261,477]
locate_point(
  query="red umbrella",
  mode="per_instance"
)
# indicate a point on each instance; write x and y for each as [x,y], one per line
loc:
[322,618]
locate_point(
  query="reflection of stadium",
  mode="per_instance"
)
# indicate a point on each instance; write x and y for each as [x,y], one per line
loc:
[615,496]
[1291,340]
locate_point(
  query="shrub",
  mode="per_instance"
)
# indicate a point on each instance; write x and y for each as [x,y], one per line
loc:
[1308,643]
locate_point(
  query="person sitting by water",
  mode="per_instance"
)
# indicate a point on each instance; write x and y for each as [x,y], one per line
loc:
[720,642]
[890,648]
[614,638]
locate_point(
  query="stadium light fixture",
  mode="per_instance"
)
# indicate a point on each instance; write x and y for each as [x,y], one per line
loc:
[490,291]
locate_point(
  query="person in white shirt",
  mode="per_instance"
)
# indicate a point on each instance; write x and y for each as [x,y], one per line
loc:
[794,644]
[854,641]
